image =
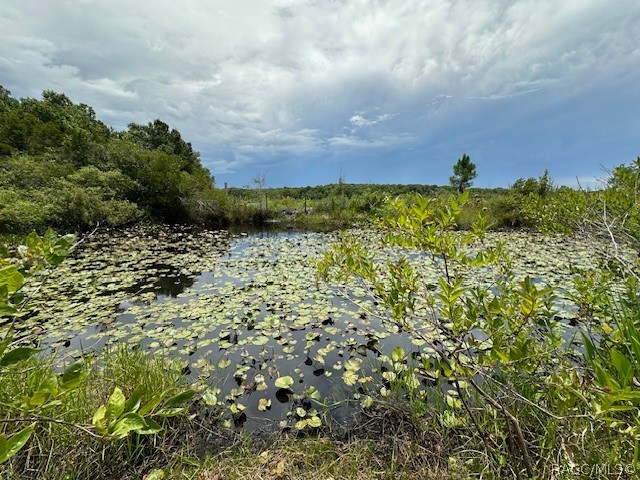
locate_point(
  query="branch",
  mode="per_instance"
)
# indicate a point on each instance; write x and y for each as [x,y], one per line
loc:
[51,420]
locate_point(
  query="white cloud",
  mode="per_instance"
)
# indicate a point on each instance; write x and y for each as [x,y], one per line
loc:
[286,77]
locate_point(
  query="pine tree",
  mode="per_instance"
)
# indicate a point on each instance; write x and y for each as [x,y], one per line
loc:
[464,171]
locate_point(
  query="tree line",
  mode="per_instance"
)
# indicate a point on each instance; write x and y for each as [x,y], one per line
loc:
[61,166]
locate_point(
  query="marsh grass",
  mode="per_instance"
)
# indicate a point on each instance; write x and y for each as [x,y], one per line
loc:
[63,443]
[397,437]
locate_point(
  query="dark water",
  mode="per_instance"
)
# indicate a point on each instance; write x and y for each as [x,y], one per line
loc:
[163,306]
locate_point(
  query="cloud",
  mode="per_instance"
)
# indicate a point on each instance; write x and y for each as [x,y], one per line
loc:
[286,78]
[359,121]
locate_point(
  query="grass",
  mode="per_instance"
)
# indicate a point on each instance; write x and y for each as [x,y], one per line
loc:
[66,448]
[394,439]
[388,442]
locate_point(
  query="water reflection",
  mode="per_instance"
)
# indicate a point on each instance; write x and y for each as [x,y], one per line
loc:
[245,308]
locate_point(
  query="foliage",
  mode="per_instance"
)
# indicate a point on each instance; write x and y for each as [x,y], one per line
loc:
[614,360]
[40,390]
[60,166]
[497,355]
[464,171]
[608,218]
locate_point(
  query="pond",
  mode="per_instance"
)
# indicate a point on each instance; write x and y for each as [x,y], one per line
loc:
[245,314]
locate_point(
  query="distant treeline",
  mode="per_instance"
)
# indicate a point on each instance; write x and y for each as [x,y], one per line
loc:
[350,190]
[62,167]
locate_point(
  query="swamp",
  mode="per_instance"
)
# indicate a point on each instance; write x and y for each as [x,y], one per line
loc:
[248,318]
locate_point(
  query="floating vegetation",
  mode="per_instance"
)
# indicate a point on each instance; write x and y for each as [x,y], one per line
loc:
[256,332]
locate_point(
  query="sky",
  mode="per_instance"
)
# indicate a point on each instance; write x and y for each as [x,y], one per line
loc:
[304,92]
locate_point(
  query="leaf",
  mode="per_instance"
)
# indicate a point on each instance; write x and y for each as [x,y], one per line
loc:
[278,472]
[314,422]
[397,355]
[313,393]
[12,278]
[115,405]
[264,404]
[300,424]
[284,382]
[128,423]
[7,311]
[151,404]
[623,366]
[210,398]
[99,419]
[14,443]
[169,412]
[133,403]
[366,401]
[73,376]
[39,398]
[353,364]
[17,355]
[4,344]
[155,474]
[349,377]
[152,427]
[179,399]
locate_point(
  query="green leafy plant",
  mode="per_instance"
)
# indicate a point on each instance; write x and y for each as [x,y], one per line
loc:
[45,390]
[488,348]
[614,361]
[121,416]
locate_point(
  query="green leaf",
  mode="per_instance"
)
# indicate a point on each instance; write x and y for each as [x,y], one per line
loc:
[4,344]
[170,412]
[314,422]
[264,404]
[284,382]
[128,423]
[397,355]
[12,278]
[210,398]
[179,399]
[115,406]
[17,355]
[7,311]
[313,393]
[623,366]
[152,427]
[39,398]
[300,424]
[349,377]
[14,443]
[151,404]
[73,376]
[156,474]
[133,403]
[99,418]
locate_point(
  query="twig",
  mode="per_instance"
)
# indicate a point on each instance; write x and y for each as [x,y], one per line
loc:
[51,420]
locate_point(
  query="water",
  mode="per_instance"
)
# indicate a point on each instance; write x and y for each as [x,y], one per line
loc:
[232,307]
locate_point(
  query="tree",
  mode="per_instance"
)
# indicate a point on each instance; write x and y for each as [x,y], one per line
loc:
[157,135]
[464,171]
[260,181]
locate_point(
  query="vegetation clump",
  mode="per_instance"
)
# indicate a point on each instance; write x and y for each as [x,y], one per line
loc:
[60,166]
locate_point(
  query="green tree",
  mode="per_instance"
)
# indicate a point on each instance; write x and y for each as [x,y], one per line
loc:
[464,171]
[157,135]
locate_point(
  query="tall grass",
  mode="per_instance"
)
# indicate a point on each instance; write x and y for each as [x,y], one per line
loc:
[63,446]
